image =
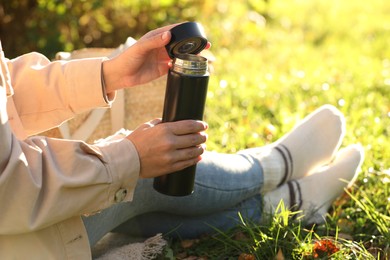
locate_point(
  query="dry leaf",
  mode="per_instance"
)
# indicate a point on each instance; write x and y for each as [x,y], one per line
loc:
[245,256]
[187,243]
[279,255]
[324,248]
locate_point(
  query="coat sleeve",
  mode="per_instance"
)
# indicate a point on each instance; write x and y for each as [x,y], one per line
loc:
[47,93]
[44,181]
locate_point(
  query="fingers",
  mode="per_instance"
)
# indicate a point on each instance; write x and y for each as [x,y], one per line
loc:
[182,134]
[184,164]
[186,133]
[168,147]
[159,38]
[190,153]
[187,127]
[187,157]
[159,31]
[190,140]
[154,41]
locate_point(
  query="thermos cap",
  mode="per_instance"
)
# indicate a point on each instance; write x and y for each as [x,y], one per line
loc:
[186,38]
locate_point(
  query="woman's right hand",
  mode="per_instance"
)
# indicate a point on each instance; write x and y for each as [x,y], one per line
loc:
[142,62]
[167,147]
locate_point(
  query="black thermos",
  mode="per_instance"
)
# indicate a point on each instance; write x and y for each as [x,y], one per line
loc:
[185,98]
[185,95]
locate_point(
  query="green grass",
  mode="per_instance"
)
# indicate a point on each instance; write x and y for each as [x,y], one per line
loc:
[277,61]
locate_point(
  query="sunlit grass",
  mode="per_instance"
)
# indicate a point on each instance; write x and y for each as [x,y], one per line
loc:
[279,236]
[277,61]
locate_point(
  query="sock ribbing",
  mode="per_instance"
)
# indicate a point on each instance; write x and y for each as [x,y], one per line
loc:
[277,164]
[273,166]
[288,163]
[295,195]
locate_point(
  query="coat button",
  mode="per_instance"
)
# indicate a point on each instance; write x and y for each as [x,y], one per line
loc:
[120,195]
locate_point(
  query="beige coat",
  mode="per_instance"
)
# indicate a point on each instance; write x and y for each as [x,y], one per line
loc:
[47,183]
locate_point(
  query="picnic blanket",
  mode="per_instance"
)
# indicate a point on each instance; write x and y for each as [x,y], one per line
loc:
[122,247]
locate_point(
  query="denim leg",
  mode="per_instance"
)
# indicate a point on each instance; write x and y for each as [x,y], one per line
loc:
[180,226]
[222,182]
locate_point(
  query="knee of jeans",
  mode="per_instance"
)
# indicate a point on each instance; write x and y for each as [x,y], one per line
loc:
[242,173]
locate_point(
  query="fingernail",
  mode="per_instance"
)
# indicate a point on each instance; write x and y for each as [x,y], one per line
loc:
[165,36]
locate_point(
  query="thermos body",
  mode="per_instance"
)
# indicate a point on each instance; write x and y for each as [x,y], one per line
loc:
[185,98]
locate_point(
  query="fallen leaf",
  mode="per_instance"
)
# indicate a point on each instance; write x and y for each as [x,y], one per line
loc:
[245,256]
[324,248]
[187,243]
[279,255]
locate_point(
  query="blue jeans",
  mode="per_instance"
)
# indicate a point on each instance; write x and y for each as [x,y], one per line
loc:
[225,184]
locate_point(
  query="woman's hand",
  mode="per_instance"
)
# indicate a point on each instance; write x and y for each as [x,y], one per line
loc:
[168,147]
[142,62]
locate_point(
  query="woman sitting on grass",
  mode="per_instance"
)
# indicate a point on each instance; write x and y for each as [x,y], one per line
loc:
[59,197]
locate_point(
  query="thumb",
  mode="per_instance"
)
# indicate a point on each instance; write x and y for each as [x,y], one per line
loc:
[153,42]
[149,124]
[154,122]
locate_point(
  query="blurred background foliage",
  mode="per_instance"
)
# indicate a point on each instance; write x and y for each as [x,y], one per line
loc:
[49,26]
[276,60]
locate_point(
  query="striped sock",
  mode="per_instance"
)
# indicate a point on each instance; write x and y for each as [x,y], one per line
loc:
[313,195]
[310,144]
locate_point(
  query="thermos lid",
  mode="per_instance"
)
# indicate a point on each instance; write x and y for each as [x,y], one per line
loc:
[186,38]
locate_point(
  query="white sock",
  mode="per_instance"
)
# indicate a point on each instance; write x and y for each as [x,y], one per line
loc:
[314,194]
[310,144]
